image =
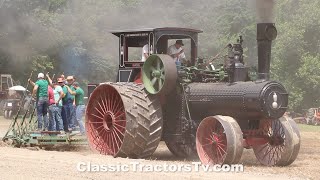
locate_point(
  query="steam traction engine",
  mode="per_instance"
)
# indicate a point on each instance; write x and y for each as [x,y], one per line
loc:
[211,110]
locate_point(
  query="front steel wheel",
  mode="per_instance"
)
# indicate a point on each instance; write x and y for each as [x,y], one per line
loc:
[219,140]
[283,143]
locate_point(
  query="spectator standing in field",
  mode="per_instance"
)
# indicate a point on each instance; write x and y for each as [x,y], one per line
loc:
[55,100]
[68,114]
[40,89]
[52,124]
[80,107]
[58,95]
[73,122]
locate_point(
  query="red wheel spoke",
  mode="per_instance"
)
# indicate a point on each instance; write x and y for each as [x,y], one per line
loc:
[263,147]
[120,121]
[115,139]
[278,153]
[119,126]
[220,144]
[211,139]
[103,134]
[223,150]
[107,102]
[95,122]
[113,146]
[98,132]
[98,127]
[206,144]
[271,156]
[114,99]
[118,107]
[97,116]
[118,136]
[219,155]
[104,106]
[98,111]
[267,152]
[119,131]
[119,115]
[104,112]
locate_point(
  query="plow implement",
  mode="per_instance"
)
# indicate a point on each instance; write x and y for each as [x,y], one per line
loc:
[22,132]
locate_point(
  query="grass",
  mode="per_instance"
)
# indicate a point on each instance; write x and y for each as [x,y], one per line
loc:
[308,128]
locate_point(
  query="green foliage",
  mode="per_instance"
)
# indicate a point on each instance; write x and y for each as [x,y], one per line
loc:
[296,52]
[42,64]
[35,33]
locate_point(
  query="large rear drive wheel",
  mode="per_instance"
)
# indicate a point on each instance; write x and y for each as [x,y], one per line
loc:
[219,140]
[122,120]
[283,145]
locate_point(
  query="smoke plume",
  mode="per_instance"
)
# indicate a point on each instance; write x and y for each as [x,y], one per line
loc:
[77,31]
[265,10]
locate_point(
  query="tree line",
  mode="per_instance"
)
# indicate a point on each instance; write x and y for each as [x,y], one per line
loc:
[71,37]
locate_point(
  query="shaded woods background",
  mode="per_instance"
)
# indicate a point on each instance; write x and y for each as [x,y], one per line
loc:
[71,36]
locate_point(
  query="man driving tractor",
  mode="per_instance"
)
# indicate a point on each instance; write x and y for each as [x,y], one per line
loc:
[176,51]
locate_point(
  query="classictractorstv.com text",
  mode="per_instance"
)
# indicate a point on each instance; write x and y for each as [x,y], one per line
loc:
[164,167]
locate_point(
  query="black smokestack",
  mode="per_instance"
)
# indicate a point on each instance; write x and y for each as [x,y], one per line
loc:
[266,33]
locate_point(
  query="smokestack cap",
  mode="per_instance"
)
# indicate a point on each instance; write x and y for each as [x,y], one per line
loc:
[271,32]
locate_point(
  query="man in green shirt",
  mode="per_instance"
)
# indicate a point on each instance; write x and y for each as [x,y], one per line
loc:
[79,101]
[41,90]
[68,110]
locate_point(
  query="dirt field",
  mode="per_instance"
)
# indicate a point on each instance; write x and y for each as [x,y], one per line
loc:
[18,163]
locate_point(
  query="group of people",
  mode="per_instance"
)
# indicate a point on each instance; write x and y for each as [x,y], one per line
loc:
[62,100]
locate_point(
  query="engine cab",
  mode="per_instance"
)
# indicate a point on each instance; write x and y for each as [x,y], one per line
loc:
[158,40]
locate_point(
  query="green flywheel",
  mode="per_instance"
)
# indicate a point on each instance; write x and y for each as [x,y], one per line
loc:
[159,74]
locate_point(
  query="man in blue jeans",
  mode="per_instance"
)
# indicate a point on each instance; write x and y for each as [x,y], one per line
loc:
[41,89]
[67,107]
[58,94]
[80,107]
[55,119]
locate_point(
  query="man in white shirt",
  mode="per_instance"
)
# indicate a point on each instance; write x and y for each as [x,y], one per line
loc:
[176,51]
[145,52]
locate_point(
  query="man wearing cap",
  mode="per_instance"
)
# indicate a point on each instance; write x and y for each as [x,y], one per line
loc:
[68,111]
[176,51]
[80,107]
[41,90]
[55,119]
